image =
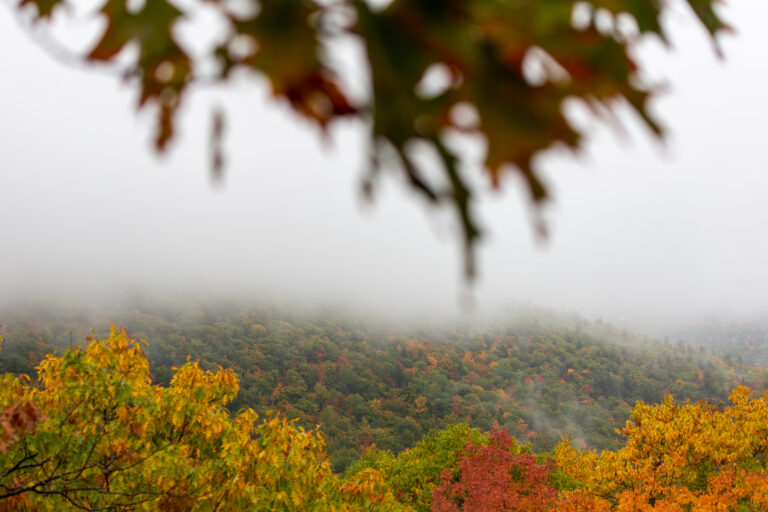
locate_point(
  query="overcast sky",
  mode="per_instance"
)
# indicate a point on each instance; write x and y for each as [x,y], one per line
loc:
[638,231]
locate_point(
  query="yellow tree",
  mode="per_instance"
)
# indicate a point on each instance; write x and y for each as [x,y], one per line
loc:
[692,457]
[95,434]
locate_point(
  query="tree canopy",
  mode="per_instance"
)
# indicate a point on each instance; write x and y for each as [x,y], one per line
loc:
[696,456]
[93,433]
[507,68]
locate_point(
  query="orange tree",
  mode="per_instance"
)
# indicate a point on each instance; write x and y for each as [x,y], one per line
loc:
[95,434]
[691,457]
[496,477]
[508,68]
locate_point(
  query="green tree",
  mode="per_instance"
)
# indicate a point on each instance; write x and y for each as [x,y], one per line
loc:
[414,474]
[508,68]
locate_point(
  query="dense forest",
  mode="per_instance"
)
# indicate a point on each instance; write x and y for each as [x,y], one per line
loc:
[90,430]
[540,376]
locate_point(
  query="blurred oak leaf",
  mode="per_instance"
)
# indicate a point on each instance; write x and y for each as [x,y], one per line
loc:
[514,63]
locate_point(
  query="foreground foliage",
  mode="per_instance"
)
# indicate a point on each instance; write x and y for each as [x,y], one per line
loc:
[415,473]
[495,476]
[696,457]
[508,67]
[460,468]
[105,438]
[693,457]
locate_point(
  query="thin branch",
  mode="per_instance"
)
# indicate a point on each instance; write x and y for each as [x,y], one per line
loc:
[19,465]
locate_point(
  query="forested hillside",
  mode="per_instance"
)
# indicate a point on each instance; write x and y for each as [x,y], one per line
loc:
[92,432]
[540,377]
[743,341]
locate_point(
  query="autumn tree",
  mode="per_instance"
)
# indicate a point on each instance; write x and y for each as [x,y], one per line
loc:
[414,474]
[507,68]
[694,457]
[495,477]
[93,433]
[460,468]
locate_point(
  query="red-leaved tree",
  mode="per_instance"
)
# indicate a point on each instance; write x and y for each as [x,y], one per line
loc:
[495,478]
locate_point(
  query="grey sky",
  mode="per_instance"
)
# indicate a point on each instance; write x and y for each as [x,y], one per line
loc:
[638,231]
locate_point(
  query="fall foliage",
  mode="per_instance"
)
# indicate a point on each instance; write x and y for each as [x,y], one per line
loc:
[539,377]
[698,456]
[496,476]
[92,432]
[108,439]
[414,474]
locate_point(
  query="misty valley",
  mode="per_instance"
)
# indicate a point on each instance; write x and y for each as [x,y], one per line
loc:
[276,408]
